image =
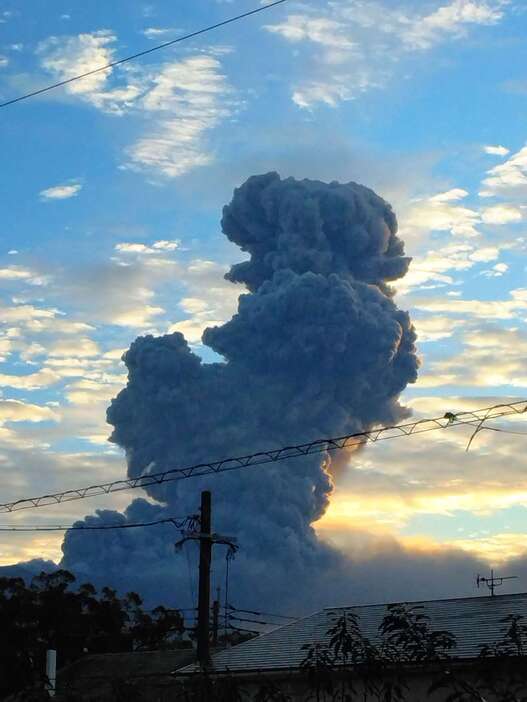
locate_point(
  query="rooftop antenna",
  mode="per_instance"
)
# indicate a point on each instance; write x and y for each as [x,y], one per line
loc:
[493,582]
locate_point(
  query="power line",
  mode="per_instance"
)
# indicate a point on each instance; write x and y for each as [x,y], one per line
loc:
[250,621]
[481,424]
[139,54]
[170,610]
[449,419]
[260,614]
[179,523]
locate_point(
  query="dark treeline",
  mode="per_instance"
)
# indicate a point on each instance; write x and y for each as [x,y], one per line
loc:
[345,667]
[50,613]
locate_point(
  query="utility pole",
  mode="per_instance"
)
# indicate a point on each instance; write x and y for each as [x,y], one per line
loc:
[206,540]
[205,553]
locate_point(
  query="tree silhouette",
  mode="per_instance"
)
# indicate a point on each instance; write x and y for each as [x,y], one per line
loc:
[48,613]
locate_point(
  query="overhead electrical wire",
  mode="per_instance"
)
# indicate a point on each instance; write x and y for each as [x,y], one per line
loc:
[179,523]
[260,614]
[139,54]
[482,425]
[449,419]
[506,431]
[251,621]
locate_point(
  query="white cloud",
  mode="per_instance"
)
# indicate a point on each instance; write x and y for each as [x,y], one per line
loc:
[508,178]
[487,367]
[156,32]
[166,245]
[319,30]
[17,411]
[451,21]
[496,150]
[138,317]
[210,302]
[26,314]
[358,46]
[126,247]
[189,98]
[436,266]
[485,254]
[66,57]
[33,381]
[435,328]
[182,101]
[501,214]
[88,392]
[78,347]
[449,195]
[496,271]
[61,192]
[156,248]
[15,273]
[4,61]
[440,213]
[512,308]
[496,549]
[69,56]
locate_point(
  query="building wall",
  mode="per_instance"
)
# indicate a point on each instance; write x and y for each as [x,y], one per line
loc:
[415,687]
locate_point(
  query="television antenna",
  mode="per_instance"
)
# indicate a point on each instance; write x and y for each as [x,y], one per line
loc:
[494,581]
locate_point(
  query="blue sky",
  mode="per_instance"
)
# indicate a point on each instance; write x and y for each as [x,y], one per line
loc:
[112,190]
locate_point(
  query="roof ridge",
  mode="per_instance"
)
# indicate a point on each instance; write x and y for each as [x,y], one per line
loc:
[444,599]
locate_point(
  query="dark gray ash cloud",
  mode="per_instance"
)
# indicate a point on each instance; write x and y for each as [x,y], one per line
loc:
[317,348]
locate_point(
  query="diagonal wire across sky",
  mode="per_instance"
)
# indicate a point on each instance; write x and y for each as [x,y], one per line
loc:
[475,418]
[139,54]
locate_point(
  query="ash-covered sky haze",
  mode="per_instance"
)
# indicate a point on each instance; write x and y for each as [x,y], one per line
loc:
[305,223]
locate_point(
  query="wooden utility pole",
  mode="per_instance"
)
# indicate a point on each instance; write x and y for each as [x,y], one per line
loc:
[205,552]
[206,540]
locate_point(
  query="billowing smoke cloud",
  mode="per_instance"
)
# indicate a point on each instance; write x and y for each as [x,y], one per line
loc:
[317,348]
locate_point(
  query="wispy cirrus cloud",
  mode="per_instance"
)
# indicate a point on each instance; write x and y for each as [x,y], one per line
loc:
[70,56]
[512,308]
[180,102]
[358,46]
[487,368]
[190,98]
[508,178]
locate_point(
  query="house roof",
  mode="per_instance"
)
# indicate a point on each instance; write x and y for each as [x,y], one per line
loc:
[475,621]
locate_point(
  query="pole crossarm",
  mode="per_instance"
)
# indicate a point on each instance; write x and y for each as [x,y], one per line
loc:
[475,418]
[193,535]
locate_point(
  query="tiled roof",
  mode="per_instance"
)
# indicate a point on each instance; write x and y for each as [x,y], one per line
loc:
[474,621]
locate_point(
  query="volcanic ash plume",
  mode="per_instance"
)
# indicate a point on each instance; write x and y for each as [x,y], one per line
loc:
[317,348]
